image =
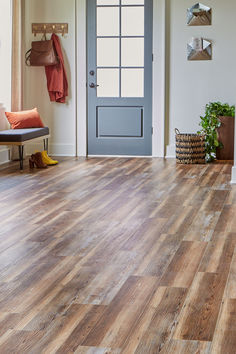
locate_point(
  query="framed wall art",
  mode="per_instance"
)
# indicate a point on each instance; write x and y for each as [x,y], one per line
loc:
[199,15]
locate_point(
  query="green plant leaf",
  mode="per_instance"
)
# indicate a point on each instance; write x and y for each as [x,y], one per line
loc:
[209,124]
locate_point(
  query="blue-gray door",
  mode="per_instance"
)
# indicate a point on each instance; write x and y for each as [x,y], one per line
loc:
[119,42]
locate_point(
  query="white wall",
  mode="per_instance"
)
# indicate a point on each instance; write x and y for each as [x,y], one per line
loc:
[82,78]
[159,78]
[5,68]
[5,53]
[60,118]
[193,84]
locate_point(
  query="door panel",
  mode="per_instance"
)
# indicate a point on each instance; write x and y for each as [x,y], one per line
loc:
[119,42]
[119,121]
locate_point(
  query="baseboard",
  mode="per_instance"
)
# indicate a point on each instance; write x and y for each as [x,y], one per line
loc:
[4,155]
[233,178]
[54,149]
[124,156]
[170,151]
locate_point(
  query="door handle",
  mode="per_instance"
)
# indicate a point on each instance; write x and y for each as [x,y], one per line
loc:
[93,85]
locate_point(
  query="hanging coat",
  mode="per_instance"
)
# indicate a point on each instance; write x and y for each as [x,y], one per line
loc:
[57,82]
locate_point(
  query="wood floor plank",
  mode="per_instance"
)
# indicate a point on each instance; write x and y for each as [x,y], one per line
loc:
[60,329]
[199,316]
[230,291]
[20,342]
[93,350]
[163,321]
[156,261]
[82,330]
[224,341]
[186,347]
[227,221]
[8,321]
[203,225]
[117,255]
[126,306]
[219,253]
[133,340]
[231,198]
[184,264]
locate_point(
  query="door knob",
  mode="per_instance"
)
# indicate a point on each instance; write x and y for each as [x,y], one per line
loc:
[93,85]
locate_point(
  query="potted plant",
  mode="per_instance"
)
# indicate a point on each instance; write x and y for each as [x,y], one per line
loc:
[218,128]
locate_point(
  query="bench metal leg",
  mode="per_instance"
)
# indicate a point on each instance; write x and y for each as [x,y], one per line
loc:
[45,144]
[21,155]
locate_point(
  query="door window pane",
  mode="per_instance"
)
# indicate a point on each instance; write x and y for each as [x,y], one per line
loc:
[132,21]
[108,52]
[107,2]
[108,81]
[132,50]
[107,21]
[132,2]
[132,82]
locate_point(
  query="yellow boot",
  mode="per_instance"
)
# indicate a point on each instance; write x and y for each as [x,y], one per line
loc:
[48,160]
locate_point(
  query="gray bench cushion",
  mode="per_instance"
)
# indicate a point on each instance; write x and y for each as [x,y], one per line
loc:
[21,135]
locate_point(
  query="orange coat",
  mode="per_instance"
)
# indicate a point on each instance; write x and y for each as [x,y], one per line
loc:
[57,82]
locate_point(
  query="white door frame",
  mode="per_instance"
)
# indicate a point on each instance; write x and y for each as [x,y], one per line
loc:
[159,78]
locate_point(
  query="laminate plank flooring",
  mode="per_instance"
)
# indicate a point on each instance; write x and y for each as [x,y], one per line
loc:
[117,255]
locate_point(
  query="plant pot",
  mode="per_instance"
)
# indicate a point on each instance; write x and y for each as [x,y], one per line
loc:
[226,137]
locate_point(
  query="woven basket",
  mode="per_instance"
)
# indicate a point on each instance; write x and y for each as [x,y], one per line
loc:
[190,148]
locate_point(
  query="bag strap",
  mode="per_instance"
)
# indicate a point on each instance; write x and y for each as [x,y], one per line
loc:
[27,57]
[177,131]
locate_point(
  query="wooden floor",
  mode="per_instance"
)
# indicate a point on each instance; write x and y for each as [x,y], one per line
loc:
[118,256]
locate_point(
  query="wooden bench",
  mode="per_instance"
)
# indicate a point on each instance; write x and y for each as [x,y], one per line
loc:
[20,137]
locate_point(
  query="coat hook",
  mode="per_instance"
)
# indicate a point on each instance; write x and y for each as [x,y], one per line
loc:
[53,28]
[34,30]
[62,27]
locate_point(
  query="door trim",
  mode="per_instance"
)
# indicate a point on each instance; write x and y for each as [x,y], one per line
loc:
[159,78]
[81,62]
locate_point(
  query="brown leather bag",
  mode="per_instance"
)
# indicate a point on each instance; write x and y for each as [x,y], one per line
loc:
[42,53]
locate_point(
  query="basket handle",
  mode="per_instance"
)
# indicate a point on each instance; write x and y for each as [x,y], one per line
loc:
[177,131]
